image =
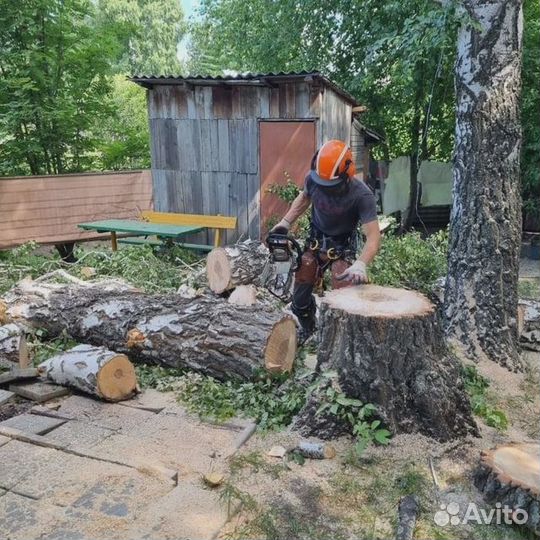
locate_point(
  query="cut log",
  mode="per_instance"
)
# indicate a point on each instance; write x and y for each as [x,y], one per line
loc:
[241,264]
[206,334]
[93,370]
[13,350]
[510,475]
[315,450]
[407,513]
[387,348]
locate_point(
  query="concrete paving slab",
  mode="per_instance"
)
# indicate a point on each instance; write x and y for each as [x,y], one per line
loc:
[5,396]
[39,391]
[151,400]
[24,519]
[19,460]
[189,511]
[4,440]
[100,413]
[78,435]
[18,374]
[32,423]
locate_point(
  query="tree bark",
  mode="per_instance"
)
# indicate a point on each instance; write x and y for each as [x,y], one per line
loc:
[241,264]
[94,370]
[206,334]
[510,475]
[388,349]
[529,333]
[485,225]
[13,350]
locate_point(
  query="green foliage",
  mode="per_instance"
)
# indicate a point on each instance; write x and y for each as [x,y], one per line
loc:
[124,135]
[146,34]
[352,411]
[396,58]
[270,401]
[476,387]
[42,347]
[139,265]
[286,192]
[529,288]
[22,261]
[410,261]
[53,87]
[530,111]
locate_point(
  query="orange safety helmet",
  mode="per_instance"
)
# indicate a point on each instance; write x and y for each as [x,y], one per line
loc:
[332,163]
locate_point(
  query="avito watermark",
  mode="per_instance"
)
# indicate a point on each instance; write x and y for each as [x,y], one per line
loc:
[450,514]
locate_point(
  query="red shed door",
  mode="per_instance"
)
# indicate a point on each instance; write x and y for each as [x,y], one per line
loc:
[286,150]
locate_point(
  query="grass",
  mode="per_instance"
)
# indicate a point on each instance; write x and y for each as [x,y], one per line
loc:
[142,266]
[481,402]
[529,288]
[272,401]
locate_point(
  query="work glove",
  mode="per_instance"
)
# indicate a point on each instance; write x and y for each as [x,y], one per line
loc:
[356,273]
[281,228]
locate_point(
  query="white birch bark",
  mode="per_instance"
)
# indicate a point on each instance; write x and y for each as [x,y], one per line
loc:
[485,228]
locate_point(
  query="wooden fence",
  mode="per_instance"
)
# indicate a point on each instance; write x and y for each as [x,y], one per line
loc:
[47,209]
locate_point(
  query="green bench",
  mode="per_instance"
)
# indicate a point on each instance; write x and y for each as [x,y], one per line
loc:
[154,241]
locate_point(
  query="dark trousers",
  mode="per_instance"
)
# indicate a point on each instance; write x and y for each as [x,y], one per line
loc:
[310,272]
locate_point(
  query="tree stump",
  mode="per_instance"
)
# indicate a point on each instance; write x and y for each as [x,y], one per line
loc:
[207,334]
[13,350]
[388,349]
[93,370]
[241,264]
[510,475]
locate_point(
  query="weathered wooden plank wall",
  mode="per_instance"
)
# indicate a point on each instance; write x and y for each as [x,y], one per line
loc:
[335,119]
[205,143]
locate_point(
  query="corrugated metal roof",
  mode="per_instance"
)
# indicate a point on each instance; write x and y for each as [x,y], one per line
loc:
[243,78]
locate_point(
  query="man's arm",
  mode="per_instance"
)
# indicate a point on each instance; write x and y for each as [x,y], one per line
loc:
[298,207]
[373,241]
[357,272]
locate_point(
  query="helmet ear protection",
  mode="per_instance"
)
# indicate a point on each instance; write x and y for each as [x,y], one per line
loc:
[343,175]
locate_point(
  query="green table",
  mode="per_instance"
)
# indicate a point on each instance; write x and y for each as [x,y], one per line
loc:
[138,228]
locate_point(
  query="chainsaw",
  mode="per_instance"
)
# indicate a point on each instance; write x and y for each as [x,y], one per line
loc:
[285,258]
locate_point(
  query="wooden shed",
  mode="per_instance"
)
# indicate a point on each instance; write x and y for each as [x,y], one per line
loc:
[219,143]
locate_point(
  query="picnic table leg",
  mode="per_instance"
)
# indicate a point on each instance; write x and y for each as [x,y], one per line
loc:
[114,241]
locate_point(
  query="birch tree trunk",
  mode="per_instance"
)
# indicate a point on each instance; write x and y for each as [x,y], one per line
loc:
[207,334]
[485,225]
[94,370]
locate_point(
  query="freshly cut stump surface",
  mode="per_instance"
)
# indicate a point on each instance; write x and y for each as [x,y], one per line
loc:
[388,349]
[510,475]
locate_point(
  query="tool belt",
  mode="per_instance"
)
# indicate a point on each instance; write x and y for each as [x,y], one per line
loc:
[331,248]
[328,249]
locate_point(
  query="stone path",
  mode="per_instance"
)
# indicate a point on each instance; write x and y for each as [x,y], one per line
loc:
[92,470]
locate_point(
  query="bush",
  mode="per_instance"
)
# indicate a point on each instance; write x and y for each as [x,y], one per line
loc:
[410,261]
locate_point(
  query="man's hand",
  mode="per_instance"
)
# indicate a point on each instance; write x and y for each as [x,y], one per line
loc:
[356,273]
[282,227]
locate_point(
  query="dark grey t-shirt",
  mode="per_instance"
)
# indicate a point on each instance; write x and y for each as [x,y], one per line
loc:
[337,210]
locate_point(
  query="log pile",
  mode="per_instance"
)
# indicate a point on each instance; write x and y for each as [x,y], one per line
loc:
[510,475]
[388,349]
[206,334]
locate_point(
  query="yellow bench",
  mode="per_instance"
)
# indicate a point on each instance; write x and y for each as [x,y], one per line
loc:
[219,223]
